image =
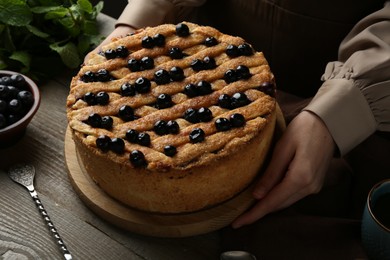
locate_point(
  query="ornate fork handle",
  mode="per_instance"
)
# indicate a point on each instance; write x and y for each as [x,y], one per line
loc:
[49,223]
[24,175]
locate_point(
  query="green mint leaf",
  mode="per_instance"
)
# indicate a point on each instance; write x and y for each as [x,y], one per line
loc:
[76,12]
[34,30]
[15,12]
[90,27]
[68,53]
[55,14]
[21,56]
[67,22]
[6,39]
[45,2]
[51,12]
[84,44]
[46,9]
[70,26]
[87,42]
[3,64]
[85,5]
[95,40]
[99,6]
[96,10]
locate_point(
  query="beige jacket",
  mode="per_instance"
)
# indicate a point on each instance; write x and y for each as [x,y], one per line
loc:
[354,97]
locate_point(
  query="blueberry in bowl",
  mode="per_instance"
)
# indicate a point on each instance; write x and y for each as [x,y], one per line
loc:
[19,101]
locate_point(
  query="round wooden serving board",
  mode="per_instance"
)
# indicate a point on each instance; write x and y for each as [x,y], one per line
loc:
[144,223]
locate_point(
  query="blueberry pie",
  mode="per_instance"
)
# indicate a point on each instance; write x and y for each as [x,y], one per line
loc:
[173,118]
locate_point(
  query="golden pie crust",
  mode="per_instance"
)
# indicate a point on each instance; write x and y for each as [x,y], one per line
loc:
[200,175]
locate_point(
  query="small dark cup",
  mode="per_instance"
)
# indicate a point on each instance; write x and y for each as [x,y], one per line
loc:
[376,222]
[10,134]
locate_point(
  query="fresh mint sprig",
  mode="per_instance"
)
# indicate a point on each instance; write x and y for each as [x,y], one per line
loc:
[40,38]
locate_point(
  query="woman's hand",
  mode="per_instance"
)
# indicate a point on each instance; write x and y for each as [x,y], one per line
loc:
[297,168]
[120,31]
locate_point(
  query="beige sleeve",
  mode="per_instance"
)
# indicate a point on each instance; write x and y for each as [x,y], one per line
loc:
[354,100]
[142,13]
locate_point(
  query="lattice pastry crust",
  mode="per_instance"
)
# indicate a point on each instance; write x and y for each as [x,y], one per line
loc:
[173,118]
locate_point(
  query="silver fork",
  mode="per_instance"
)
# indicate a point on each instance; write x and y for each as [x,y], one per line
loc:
[24,175]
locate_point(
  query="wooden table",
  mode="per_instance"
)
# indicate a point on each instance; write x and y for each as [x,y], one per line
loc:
[23,234]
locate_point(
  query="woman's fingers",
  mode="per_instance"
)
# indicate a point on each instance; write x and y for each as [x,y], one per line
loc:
[297,168]
[278,198]
[276,169]
[120,31]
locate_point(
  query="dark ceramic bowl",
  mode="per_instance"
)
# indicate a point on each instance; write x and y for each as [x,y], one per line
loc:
[12,133]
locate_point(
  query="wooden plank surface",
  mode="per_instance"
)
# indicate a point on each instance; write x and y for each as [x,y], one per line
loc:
[23,234]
